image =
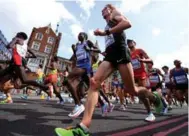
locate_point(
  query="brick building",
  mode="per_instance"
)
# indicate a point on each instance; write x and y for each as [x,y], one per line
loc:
[44,42]
[63,63]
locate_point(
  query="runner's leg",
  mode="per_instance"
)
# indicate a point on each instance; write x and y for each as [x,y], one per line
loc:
[20,71]
[104,70]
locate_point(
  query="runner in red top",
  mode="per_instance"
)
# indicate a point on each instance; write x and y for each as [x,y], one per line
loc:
[138,59]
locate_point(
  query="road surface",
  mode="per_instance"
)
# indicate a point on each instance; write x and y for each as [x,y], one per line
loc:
[39,118]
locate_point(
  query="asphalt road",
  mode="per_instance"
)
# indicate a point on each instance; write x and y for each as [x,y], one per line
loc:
[40,118]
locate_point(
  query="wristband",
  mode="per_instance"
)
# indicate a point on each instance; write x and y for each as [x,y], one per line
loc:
[107,32]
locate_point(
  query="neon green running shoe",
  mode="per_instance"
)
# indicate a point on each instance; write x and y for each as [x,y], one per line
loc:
[72,131]
[6,101]
[159,105]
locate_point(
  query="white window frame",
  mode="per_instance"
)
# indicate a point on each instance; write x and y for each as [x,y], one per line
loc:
[47,48]
[39,36]
[34,45]
[50,40]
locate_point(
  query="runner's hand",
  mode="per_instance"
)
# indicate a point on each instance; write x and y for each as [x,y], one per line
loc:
[103,53]
[99,32]
[141,60]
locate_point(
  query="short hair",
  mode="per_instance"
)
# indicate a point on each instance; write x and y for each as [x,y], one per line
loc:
[177,61]
[165,67]
[22,35]
[151,62]
[130,40]
[85,35]
[110,6]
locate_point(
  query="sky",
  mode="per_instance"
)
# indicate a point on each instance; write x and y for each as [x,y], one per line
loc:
[160,27]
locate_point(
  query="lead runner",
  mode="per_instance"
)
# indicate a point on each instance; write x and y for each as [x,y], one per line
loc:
[117,57]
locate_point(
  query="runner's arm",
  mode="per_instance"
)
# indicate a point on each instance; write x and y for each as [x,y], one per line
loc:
[92,47]
[145,55]
[12,43]
[74,49]
[159,72]
[171,75]
[33,55]
[26,67]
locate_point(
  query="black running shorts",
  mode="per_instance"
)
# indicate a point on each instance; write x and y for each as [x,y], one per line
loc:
[158,86]
[181,87]
[117,56]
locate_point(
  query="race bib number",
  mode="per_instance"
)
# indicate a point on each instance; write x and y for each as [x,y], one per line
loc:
[21,50]
[109,40]
[154,79]
[81,55]
[136,64]
[181,79]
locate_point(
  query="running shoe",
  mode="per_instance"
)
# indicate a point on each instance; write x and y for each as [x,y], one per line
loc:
[25,97]
[7,101]
[159,104]
[164,111]
[111,107]
[170,108]
[72,131]
[123,107]
[77,111]
[48,98]
[60,102]
[150,117]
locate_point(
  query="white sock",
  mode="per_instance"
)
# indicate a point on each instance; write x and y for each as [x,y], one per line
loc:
[84,127]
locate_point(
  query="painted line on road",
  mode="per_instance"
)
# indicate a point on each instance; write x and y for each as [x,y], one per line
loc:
[165,133]
[148,127]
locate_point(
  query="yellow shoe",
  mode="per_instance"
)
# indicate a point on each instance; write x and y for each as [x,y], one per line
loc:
[42,97]
[8,100]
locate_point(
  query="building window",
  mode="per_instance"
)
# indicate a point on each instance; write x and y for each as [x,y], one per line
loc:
[47,49]
[39,36]
[50,40]
[36,45]
[47,31]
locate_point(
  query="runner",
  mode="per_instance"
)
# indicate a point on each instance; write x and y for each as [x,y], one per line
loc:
[40,77]
[179,75]
[121,93]
[117,57]
[19,51]
[154,77]
[115,84]
[168,86]
[156,84]
[6,91]
[81,71]
[138,59]
[52,79]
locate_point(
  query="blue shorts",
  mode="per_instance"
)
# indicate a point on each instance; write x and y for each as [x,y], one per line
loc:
[115,85]
[86,66]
